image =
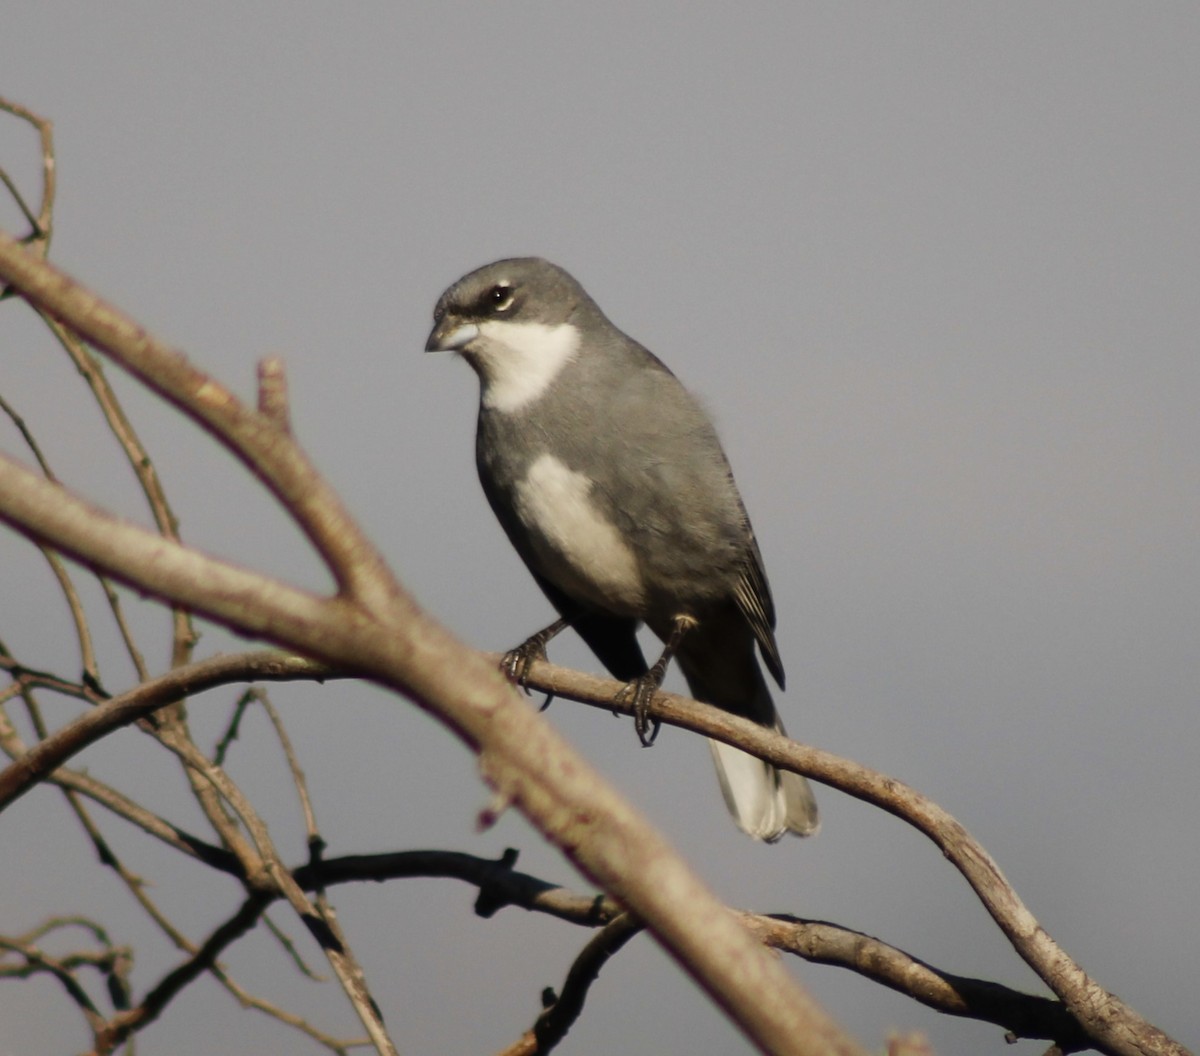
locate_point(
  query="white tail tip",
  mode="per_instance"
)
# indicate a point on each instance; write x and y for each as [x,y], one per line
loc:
[764,802]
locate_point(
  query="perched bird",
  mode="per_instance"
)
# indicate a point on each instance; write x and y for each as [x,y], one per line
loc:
[611,484]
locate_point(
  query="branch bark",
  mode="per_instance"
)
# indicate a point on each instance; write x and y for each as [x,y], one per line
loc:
[49,754]
[373,627]
[1110,1023]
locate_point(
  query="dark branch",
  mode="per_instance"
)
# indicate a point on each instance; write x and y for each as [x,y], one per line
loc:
[560,1015]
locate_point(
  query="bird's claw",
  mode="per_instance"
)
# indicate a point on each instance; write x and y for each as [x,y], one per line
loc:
[639,693]
[515,664]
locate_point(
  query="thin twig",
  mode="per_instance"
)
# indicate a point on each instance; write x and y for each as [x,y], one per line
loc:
[234,726]
[22,427]
[74,604]
[133,883]
[323,926]
[340,1046]
[118,614]
[558,1018]
[60,923]
[42,224]
[298,779]
[37,960]
[128,810]
[289,947]
[184,633]
[30,678]
[169,727]
[122,1026]
[117,960]
[17,197]
[144,699]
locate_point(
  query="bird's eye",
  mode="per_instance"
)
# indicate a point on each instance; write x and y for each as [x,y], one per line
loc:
[500,297]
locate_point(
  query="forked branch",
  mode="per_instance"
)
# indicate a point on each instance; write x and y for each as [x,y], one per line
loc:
[374,629]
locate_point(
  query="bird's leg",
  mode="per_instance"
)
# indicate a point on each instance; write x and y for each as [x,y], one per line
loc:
[515,663]
[642,689]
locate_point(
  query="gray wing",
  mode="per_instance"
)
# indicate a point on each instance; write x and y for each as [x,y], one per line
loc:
[662,391]
[753,596]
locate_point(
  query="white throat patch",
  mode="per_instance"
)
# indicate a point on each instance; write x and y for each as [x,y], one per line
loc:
[518,361]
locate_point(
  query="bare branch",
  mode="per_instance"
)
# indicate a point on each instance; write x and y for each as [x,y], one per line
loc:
[341,1046]
[50,753]
[1020,1014]
[123,807]
[285,742]
[37,960]
[22,427]
[273,392]
[253,438]
[560,1015]
[289,947]
[499,884]
[373,626]
[25,678]
[275,876]
[120,1027]
[1108,1021]
[41,224]
[184,634]
[88,657]
[1023,1015]
[233,728]
[118,614]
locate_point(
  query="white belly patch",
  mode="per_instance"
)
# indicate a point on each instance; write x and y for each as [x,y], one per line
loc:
[582,551]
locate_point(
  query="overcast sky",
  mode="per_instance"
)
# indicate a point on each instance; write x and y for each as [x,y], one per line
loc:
[932,267]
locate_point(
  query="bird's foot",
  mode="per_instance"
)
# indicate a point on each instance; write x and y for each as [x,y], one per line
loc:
[515,664]
[638,694]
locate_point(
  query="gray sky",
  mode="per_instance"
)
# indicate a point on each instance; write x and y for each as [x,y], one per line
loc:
[933,269]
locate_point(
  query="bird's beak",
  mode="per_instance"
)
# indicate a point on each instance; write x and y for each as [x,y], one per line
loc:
[450,335]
